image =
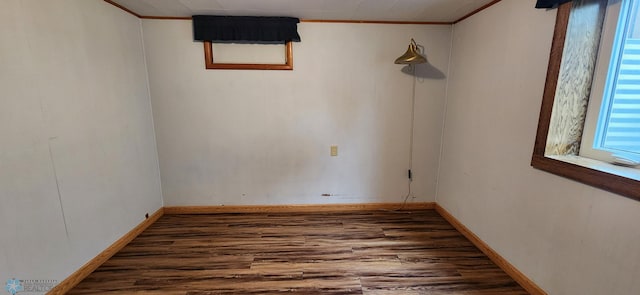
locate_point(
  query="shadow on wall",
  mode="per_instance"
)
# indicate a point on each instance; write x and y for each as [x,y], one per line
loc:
[424,71]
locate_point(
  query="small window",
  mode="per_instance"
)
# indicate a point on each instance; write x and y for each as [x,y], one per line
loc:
[250,62]
[251,38]
[618,127]
[591,111]
[612,127]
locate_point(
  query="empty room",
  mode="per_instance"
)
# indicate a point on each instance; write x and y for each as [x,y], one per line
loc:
[376,147]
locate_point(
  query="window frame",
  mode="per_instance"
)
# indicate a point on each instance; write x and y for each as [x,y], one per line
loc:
[211,65]
[607,181]
[600,102]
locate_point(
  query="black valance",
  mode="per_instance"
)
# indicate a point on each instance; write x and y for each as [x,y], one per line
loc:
[550,3]
[245,29]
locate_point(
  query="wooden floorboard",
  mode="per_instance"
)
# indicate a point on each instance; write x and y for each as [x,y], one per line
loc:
[360,252]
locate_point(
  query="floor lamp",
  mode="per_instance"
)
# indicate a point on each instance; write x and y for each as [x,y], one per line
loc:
[412,57]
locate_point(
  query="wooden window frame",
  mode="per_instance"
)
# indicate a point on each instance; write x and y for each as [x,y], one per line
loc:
[614,183]
[211,65]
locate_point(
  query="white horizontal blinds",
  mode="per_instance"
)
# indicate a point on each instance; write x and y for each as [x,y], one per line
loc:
[622,131]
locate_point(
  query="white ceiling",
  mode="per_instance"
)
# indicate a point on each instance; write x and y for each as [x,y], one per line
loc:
[366,10]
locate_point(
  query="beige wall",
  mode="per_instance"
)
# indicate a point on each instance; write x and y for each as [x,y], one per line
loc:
[78,163]
[263,137]
[569,238]
[75,117]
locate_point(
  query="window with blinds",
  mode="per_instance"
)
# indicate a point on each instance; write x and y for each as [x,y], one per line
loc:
[618,129]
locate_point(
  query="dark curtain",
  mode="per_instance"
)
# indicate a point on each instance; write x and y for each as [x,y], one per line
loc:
[550,3]
[245,29]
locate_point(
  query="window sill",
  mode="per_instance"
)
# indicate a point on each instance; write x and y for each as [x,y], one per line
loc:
[627,172]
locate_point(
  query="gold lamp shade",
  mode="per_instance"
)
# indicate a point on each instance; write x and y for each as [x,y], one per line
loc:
[412,56]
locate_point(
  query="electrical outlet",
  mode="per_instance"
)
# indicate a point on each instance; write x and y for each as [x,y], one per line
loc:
[334,150]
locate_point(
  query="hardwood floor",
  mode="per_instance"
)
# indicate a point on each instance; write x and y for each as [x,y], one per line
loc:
[363,252]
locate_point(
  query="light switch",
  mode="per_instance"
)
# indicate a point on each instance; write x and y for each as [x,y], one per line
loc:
[334,150]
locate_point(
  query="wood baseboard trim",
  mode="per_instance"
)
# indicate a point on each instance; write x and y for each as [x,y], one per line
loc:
[507,267]
[296,208]
[84,271]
